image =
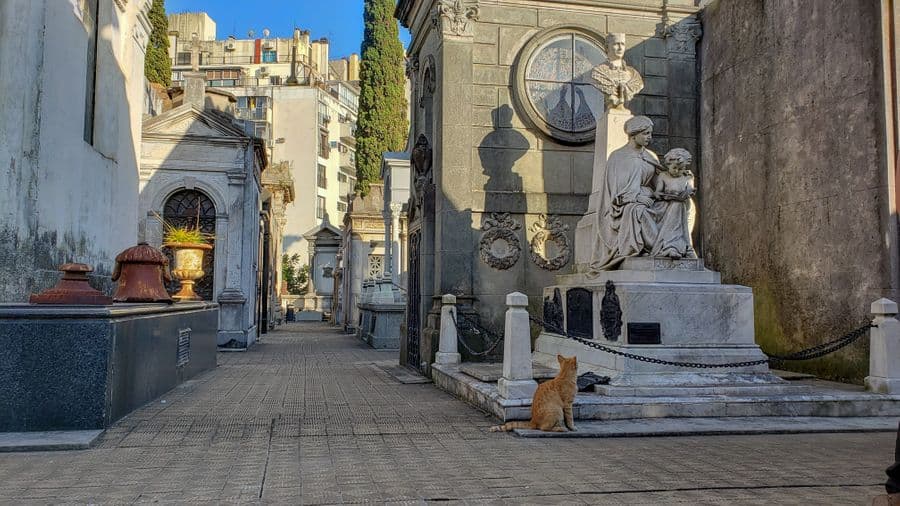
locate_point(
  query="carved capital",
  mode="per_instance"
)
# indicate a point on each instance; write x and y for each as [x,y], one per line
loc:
[681,38]
[412,66]
[455,18]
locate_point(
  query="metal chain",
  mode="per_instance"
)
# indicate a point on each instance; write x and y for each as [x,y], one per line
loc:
[477,328]
[808,354]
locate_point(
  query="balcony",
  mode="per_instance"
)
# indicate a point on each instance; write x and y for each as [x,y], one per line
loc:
[252,114]
[348,160]
[348,133]
[344,188]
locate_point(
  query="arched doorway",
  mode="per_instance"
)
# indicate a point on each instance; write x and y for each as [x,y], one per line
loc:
[188,208]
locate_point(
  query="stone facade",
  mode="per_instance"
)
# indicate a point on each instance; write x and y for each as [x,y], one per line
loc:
[797,198]
[202,150]
[324,242]
[70,122]
[362,253]
[498,175]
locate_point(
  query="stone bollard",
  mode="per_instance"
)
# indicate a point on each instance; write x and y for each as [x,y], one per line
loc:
[884,348]
[448,351]
[518,378]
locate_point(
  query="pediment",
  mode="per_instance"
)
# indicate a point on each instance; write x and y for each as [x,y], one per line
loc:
[188,121]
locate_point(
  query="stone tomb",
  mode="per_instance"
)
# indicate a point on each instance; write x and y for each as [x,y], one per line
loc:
[673,310]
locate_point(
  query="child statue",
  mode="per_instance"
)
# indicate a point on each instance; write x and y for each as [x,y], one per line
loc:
[673,191]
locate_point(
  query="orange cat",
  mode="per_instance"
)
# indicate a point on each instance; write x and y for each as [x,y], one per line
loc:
[551,406]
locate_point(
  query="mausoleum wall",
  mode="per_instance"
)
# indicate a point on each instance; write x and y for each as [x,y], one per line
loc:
[68,192]
[795,192]
[490,156]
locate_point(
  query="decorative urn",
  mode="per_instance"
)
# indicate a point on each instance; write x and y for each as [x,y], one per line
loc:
[188,267]
[141,272]
[73,288]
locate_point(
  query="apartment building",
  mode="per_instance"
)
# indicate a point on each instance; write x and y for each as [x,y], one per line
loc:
[300,103]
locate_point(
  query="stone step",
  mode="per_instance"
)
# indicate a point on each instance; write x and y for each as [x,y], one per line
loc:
[669,427]
[493,371]
[696,391]
[822,399]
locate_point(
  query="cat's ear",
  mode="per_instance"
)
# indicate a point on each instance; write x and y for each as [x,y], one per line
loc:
[561,359]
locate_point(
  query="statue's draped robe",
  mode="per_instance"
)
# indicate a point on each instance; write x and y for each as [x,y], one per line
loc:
[626,227]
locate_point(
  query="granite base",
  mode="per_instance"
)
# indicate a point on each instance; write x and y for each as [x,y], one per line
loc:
[84,367]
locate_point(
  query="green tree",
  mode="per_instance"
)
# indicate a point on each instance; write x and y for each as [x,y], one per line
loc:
[157,66]
[295,275]
[381,125]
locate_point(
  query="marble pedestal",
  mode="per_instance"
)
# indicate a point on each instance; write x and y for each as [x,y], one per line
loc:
[699,320]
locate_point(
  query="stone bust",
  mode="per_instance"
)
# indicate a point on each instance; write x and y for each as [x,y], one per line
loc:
[618,82]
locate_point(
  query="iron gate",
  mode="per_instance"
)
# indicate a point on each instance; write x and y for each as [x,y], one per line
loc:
[413,301]
[191,208]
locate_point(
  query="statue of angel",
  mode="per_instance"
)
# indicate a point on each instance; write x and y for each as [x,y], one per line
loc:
[618,82]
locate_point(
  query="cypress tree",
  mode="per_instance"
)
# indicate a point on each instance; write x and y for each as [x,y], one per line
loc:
[157,66]
[381,125]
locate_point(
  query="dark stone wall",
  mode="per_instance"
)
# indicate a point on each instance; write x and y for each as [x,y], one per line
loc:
[795,187]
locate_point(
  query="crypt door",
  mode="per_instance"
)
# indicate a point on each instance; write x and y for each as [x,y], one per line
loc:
[191,208]
[413,315]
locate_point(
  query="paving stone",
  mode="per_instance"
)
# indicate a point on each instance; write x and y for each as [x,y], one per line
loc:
[310,416]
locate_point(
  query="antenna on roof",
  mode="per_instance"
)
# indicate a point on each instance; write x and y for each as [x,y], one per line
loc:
[266,32]
[251,33]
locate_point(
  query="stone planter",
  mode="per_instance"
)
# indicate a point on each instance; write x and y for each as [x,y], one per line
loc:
[188,267]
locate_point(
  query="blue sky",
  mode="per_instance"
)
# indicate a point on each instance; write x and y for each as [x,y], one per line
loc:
[339,20]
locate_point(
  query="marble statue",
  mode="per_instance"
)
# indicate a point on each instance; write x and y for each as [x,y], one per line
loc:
[627,214]
[673,191]
[645,207]
[618,82]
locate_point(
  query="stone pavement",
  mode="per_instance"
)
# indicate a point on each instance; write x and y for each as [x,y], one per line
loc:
[308,417]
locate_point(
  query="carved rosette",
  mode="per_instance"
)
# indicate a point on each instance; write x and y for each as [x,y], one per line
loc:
[455,17]
[682,37]
[550,230]
[499,245]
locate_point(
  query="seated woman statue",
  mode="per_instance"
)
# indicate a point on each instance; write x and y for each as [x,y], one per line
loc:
[627,214]
[673,191]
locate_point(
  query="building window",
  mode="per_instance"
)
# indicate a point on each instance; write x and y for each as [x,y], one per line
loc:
[90,11]
[324,149]
[183,58]
[320,177]
[376,266]
[320,207]
[554,85]
[269,56]
[275,80]
[342,207]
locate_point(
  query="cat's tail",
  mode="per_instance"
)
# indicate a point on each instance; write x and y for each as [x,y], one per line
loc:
[508,426]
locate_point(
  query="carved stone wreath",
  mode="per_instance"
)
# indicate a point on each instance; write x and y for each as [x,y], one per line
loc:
[550,229]
[499,245]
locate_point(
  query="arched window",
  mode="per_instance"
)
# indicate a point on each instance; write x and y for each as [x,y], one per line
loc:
[190,208]
[554,86]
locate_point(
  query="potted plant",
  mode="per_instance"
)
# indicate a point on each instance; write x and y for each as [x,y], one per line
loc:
[188,245]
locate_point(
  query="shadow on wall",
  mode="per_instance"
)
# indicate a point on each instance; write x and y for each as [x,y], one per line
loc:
[45,222]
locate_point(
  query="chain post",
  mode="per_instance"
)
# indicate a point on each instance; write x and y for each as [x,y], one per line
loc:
[448,352]
[518,377]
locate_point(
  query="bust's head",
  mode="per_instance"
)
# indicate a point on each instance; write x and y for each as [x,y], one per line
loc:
[640,130]
[615,45]
[678,161]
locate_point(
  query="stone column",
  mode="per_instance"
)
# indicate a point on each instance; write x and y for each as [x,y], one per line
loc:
[518,378]
[448,351]
[388,252]
[311,291]
[884,348]
[453,163]
[395,242]
[610,136]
